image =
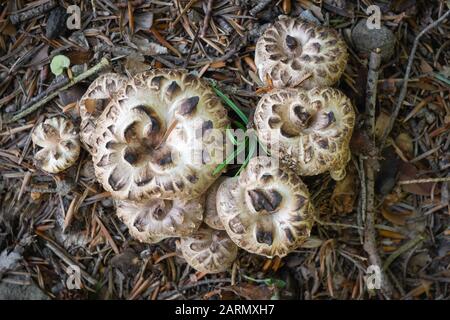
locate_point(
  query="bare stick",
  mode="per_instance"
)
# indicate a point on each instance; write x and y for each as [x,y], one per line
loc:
[426,180]
[370,240]
[95,69]
[402,94]
[207,18]
[371,90]
[32,12]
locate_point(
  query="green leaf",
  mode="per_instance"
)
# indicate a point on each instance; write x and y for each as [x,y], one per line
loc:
[231,104]
[231,136]
[59,63]
[268,281]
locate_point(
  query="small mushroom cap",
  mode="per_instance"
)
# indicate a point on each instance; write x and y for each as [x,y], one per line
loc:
[211,217]
[94,101]
[154,220]
[291,49]
[209,250]
[161,136]
[267,209]
[60,144]
[309,130]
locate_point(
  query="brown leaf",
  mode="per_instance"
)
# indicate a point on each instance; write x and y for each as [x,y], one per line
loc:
[90,105]
[409,172]
[345,193]
[79,57]
[251,292]
[395,218]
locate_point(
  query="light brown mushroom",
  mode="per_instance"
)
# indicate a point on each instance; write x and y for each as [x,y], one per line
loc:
[211,217]
[209,250]
[267,209]
[153,220]
[94,101]
[60,144]
[161,136]
[309,130]
[294,52]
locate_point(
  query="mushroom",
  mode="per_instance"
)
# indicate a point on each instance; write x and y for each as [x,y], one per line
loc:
[59,142]
[161,136]
[153,220]
[209,250]
[267,209]
[211,217]
[310,130]
[292,52]
[94,101]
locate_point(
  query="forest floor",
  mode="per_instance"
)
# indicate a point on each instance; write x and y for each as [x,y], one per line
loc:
[392,209]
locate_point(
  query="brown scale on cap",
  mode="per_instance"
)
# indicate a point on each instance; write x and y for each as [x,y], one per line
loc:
[146,141]
[211,217]
[266,210]
[95,100]
[294,52]
[59,143]
[209,250]
[153,220]
[311,129]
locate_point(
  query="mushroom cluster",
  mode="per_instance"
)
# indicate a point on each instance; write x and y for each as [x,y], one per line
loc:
[304,122]
[157,138]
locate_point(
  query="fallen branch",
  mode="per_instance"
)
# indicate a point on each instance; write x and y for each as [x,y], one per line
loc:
[427,180]
[49,95]
[207,19]
[32,12]
[370,240]
[259,7]
[404,89]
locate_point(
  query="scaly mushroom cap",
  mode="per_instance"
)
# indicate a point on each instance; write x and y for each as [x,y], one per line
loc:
[94,101]
[291,49]
[162,136]
[153,220]
[60,144]
[209,250]
[267,209]
[311,129]
[211,217]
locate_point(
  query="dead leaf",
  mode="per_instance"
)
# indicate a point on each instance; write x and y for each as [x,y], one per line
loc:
[79,57]
[424,287]
[148,48]
[251,292]
[391,234]
[90,105]
[143,21]
[409,172]
[405,143]
[40,58]
[395,218]
[381,124]
[345,193]
[135,63]
[71,95]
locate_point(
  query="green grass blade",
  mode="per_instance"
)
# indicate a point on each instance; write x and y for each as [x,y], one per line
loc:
[232,105]
[230,158]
